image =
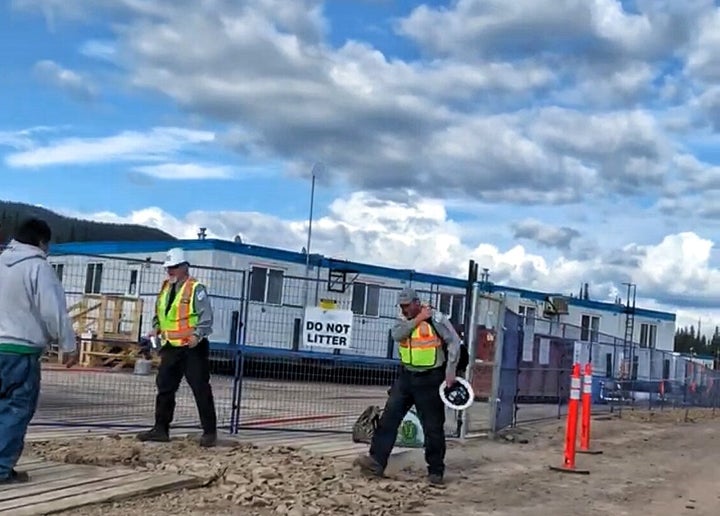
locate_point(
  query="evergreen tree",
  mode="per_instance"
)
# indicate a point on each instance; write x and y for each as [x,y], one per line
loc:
[687,341]
[67,229]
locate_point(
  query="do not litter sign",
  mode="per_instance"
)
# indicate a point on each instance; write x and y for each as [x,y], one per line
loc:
[327,328]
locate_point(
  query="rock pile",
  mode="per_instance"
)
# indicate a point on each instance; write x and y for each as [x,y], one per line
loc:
[275,480]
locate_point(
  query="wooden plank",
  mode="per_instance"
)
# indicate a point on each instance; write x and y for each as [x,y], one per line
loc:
[271,436]
[8,492]
[104,491]
[26,460]
[53,435]
[330,448]
[348,454]
[53,470]
[291,441]
[70,480]
[49,467]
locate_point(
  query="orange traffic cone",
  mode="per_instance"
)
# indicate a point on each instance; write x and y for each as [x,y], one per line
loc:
[586,409]
[571,429]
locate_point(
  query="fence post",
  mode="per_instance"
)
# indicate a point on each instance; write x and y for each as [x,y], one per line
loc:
[586,412]
[494,400]
[571,428]
[471,339]
[239,357]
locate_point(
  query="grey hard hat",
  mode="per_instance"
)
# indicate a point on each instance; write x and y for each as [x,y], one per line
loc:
[407,295]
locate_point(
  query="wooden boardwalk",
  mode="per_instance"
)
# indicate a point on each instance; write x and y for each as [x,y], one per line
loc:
[56,487]
[338,446]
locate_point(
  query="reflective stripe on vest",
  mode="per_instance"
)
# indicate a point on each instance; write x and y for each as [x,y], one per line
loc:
[181,320]
[421,349]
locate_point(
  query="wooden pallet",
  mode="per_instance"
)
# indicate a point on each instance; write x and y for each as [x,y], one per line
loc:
[56,487]
[109,326]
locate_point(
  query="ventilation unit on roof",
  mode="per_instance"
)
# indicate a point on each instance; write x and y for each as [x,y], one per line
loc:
[555,305]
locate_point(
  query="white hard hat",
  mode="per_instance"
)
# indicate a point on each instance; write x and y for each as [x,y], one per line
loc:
[458,397]
[174,256]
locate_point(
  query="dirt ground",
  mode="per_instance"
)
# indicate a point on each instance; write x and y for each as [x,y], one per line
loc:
[659,463]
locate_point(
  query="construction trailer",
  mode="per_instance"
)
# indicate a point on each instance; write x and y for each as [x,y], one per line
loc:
[259,295]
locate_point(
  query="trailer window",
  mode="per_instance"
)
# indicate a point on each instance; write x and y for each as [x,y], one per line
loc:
[589,328]
[366,299]
[648,335]
[59,268]
[452,305]
[266,285]
[93,278]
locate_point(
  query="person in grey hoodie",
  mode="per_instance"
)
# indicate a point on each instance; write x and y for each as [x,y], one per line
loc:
[33,314]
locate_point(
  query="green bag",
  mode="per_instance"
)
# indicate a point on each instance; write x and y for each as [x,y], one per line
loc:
[410,433]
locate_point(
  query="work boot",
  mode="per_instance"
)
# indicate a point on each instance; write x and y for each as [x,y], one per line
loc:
[368,466]
[15,477]
[435,479]
[208,440]
[155,434]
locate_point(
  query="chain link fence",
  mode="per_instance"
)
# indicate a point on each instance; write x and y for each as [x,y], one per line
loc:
[264,375]
[522,366]
[112,304]
[287,383]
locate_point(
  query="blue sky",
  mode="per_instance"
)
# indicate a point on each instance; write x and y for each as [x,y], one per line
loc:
[30,103]
[553,141]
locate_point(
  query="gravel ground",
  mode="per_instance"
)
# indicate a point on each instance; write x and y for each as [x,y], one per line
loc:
[242,478]
[663,463]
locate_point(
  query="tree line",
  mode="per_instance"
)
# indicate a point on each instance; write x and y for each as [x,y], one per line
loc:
[687,340]
[69,229]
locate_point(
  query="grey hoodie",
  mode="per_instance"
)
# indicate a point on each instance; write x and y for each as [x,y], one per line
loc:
[33,310]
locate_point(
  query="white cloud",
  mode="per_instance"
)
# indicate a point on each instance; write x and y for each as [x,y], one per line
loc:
[366,115]
[68,81]
[473,28]
[678,271]
[704,60]
[24,138]
[575,126]
[417,233]
[15,139]
[545,234]
[99,49]
[184,171]
[156,144]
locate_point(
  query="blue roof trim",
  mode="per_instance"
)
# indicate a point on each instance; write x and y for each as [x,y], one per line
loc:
[109,248]
[585,303]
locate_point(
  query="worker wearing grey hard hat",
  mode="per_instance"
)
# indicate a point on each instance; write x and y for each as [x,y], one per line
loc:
[183,321]
[429,350]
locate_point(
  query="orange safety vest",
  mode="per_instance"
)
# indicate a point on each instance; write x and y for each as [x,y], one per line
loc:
[420,350]
[179,324]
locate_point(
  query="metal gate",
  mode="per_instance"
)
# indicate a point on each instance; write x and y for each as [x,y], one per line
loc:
[494,346]
[116,297]
[506,385]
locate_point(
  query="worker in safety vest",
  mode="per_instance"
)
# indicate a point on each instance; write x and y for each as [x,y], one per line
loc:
[424,338]
[182,323]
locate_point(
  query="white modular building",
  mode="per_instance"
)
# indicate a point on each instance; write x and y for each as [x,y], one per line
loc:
[259,295]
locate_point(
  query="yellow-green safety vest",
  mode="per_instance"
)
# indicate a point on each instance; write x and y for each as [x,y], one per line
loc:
[179,324]
[421,348]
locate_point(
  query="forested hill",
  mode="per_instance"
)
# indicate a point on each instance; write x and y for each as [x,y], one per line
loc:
[68,229]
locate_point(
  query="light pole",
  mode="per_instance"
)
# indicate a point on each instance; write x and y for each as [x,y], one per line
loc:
[317,168]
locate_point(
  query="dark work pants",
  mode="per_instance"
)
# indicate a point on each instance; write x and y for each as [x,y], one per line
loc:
[194,365]
[19,392]
[421,390]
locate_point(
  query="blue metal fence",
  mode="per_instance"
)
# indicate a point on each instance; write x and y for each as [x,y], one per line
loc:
[507,383]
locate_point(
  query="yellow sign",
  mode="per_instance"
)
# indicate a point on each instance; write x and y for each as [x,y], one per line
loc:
[327,304]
